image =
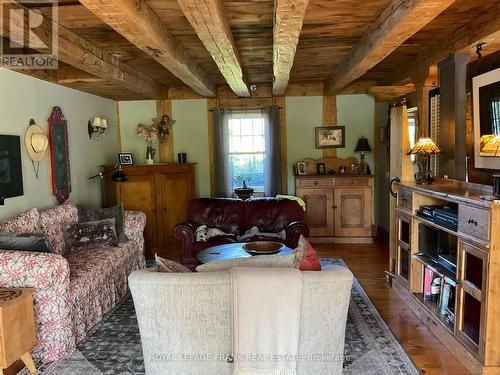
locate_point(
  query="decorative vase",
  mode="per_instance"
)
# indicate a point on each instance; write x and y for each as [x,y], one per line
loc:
[244,192]
[150,153]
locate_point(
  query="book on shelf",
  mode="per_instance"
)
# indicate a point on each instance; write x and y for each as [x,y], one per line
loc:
[428,277]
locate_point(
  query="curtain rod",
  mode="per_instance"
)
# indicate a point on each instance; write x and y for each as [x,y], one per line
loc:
[246,108]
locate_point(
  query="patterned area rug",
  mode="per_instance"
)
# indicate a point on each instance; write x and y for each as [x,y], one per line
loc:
[113,347]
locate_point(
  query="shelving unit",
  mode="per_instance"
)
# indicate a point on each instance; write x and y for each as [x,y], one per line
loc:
[469,325]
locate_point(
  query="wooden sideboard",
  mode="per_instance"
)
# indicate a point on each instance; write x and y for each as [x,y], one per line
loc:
[339,207]
[162,192]
[468,324]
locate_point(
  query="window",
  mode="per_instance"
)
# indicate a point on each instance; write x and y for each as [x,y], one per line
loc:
[247,146]
[247,150]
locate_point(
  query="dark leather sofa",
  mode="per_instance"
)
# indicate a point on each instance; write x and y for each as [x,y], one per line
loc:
[236,216]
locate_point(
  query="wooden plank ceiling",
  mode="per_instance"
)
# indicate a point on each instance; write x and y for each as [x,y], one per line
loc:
[200,44]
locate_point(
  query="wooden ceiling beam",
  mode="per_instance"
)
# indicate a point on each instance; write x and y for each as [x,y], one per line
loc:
[484,28]
[388,93]
[399,21]
[138,23]
[81,54]
[209,20]
[288,21]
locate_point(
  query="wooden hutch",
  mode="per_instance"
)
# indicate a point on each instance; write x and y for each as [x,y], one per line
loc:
[162,192]
[468,323]
[339,206]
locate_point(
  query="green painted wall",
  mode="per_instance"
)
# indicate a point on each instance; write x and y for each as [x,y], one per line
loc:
[357,114]
[303,114]
[191,137]
[131,114]
[23,98]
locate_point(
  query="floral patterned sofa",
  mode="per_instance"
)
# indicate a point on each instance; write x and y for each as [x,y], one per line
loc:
[73,291]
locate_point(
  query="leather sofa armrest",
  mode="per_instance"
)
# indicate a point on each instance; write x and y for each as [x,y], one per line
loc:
[186,233]
[293,232]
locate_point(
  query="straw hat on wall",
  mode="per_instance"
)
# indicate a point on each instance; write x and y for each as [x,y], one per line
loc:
[36,142]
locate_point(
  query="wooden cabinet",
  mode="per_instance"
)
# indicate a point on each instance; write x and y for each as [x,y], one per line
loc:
[464,315]
[319,212]
[162,192]
[338,208]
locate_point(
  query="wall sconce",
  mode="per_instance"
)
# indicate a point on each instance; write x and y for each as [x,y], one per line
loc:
[97,128]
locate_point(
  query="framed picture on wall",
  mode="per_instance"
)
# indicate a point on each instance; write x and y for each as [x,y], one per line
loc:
[330,137]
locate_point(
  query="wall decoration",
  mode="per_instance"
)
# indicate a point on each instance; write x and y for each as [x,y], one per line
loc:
[330,137]
[97,128]
[125,158]
[11,174]
[59,155]
[163,124]
[36,143]
[486,110]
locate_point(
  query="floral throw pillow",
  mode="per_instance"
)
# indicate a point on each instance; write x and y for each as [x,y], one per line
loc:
[27,222]
[169,266]
[90,234]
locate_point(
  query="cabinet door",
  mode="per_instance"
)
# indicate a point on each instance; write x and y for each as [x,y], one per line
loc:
[139,194]
[175,190]
[353,212]
[471,293]
[319,213]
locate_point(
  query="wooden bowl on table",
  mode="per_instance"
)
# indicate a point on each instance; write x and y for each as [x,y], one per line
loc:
[263,247]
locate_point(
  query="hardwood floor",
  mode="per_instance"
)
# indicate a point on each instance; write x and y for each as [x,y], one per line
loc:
[368,263]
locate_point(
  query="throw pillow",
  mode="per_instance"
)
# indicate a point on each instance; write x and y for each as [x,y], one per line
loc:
[263,261]
[26,222]
[90,235]
[308,257]
[25,242]
[169,266]
[86,214]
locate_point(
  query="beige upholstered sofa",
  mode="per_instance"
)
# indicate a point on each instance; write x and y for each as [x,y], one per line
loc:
[185,321]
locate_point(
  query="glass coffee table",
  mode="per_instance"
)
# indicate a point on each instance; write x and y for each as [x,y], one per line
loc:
[230,251]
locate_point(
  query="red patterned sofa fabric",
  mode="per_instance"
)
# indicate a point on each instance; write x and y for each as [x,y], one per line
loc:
[235,216]
[72,292]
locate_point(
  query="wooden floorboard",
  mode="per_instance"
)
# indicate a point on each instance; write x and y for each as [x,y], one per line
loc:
[368,263]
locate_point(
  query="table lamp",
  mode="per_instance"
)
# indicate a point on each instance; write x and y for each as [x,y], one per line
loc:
[423,149]
[363,147]
[490,148]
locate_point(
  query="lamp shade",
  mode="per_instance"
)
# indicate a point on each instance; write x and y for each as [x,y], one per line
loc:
[491,146]
[104,123]
[363,145]
[425,146]
[97,122]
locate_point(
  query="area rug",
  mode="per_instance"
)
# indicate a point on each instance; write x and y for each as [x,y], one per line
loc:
[113,346]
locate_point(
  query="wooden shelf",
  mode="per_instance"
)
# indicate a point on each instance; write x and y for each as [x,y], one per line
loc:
[434,310]
[434,225]
[449,276]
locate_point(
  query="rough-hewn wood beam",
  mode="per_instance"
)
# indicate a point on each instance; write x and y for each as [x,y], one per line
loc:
[484,28]
[137,22]
[288,21]
[387,93]
[210,22]
[83,55]
[400,20]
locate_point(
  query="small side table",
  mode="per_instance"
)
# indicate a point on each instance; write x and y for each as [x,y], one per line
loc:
[17,327]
